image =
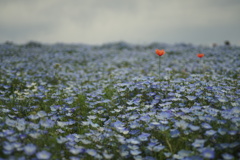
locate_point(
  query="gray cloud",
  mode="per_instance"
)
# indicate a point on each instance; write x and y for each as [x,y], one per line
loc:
[136,21]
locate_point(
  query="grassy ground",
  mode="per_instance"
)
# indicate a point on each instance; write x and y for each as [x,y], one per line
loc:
[119,101]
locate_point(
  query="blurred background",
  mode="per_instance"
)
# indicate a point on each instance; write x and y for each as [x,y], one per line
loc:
[135,21]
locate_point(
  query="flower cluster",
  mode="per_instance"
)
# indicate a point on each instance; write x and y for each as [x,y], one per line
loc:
[107,102]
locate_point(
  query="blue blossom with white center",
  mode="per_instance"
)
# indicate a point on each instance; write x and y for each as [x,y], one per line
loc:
[107,155]
[158,148]
[133,141]
[164,115]
[91,152]
[30,149]
[124,153]
[74,158]
[41,114]
[21,124]
[8,147]
[174,133]
[208,153]
[47,123]
[134,124]
[143,136]
[227,156]
[181,124]
[210,132]
[33,117]
[76,150]
[135,152]
[191,98]
[43,155]
[145,118]
[198,143]
[182,154]
[206,126]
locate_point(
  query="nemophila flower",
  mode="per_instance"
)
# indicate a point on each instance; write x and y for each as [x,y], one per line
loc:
[143,136]
[181,124]
[224,145]
[43,155]
[91,152]
[85,141]
[200,55]
[158,148]
[198,143]
[74,158]
[174,133]
[234,144]
[193,127]
[30,149]
[232,132]
[227,156]
[210,132]
[135,152]
[145,118]
[206,126]
[208,153]
[76,150]
[47,123]
[167,154]
[222,131]
[8,147]
[41,114]
[133,117]
[61,140]
[134,124]
[191,98]
[34,134]
[182,154]
[33,117]
[107,155]
[124,153]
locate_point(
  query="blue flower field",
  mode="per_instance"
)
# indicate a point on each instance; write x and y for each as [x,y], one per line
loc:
[119,101]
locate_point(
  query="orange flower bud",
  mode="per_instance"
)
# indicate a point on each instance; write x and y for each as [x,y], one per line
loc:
[160,52]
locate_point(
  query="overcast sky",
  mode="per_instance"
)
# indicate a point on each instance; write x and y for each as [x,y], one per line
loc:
[134,21]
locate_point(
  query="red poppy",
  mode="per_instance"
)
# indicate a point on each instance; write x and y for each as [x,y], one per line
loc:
[160,52]
[200,55]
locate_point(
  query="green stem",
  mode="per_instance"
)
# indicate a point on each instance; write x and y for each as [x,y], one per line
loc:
[159,64]
[169,145]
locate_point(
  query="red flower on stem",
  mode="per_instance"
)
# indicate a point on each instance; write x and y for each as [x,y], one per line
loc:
[200,55]
[160,52]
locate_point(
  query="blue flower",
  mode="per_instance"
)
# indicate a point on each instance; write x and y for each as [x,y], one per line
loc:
[174,133]
[143,136]
[158,148]
[182,154]
[181,124]
[208,153]
[227,156]
[198,143]
[135,152]
[30,149]
[76,150]
[43,155]
[206,126]
[191,98]
[41,114]
[107,155]
[210,132]
[91,152]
